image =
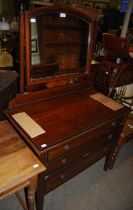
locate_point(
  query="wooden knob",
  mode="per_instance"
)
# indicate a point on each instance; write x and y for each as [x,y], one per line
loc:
[64,160]
[113,123]
[110,136]
[66,147]
[62,176]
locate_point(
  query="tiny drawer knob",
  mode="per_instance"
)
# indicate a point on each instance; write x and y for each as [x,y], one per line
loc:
[64,160]
[110,136]
[66,148]
[62,176]
[105,149]
[113,123]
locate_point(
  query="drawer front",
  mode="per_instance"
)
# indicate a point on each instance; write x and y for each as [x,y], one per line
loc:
[81,151]
[54,180]
[82,138]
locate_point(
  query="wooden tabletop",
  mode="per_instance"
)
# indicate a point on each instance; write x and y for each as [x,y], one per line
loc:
[17,161]
[72,112]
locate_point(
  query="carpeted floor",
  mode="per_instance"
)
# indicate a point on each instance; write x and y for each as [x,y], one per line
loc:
[93,189]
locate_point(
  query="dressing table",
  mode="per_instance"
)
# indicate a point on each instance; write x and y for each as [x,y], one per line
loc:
[65,122]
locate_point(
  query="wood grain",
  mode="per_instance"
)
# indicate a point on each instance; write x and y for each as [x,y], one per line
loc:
[16,159]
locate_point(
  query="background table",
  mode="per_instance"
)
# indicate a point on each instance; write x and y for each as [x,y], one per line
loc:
[19,167]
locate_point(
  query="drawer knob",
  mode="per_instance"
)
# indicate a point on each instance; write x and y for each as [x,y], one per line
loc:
[105,149]
[113,123]
[110,136]
[66,148]
[62,176]
[64,160]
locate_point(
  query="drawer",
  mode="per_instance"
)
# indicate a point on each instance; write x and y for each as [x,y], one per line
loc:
[79,140]
[54,180]
[83,150]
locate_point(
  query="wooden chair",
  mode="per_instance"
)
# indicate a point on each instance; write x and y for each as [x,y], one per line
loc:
[116,47]
[115,70]
[106,76]
[127,131]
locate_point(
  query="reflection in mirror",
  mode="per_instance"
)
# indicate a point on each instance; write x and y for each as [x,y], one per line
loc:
[59,43]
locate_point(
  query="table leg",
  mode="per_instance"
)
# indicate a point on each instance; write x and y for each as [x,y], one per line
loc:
[31,192]
[111,158]
[40,192]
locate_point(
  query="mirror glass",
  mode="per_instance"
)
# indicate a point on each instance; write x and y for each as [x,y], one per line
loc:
[59,43]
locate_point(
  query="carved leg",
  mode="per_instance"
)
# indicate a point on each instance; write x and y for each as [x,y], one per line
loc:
[111,158]
[31,193]
[40,192]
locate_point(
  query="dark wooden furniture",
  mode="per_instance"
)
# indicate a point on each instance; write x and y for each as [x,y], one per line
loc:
[127,131]
[116,67]
[114,71]
[8,89]
[19,167]
[78,125]
[115,47]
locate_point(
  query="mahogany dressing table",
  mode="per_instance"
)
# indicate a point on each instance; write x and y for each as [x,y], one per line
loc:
[67,124]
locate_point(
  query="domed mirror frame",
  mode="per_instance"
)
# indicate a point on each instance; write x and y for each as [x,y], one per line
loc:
[26,82]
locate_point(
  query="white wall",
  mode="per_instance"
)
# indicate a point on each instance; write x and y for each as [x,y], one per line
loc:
[35,59]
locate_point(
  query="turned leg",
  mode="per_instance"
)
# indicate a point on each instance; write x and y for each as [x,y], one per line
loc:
[111,158]
[31,193]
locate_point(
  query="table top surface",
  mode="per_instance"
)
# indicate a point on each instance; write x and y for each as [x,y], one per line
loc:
[65,117]
[17,161]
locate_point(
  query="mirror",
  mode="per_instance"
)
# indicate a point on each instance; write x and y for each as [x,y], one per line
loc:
[59,42]
[58,46]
